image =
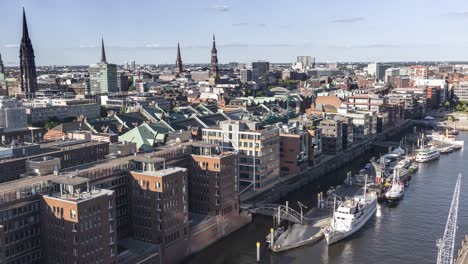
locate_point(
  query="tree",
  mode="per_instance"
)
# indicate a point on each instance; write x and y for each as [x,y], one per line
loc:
[131,88]
[452,119]
[447,104]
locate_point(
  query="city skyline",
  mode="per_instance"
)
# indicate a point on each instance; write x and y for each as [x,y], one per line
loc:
[332,31]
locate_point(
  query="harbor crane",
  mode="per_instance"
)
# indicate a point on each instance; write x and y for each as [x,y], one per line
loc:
[447,243]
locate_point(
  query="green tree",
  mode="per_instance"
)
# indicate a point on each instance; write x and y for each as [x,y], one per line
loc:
[447,104]
[452,119]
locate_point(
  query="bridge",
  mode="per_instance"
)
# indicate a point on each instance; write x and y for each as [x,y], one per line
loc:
[280,212]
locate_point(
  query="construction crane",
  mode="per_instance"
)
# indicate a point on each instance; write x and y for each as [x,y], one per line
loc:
[447,243]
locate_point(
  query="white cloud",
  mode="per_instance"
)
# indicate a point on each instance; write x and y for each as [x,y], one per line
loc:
[11,46]
[348,20]
[88,46]
[220,8]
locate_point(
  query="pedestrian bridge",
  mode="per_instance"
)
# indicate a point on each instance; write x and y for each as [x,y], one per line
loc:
[280,212]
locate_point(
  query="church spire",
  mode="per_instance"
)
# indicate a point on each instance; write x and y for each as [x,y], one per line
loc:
[213,49]
[28,79]
[214,61]
[103,52]
[2,68]
[25,26]
[179,67]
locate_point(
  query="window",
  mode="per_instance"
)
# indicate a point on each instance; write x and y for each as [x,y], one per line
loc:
[72,213]
[158,185]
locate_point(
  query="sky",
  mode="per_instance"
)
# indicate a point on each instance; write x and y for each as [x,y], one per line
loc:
[68,32]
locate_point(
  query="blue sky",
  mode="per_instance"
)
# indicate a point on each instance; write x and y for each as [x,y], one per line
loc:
[68,32]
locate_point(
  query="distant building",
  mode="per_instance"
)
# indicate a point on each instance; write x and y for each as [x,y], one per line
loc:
[460,91]
[305,62]
[122,82]
[12,115]
[419,71]
[332,65]
[44,110]
[261,68]
[103,76]
[245,75]
[377,70]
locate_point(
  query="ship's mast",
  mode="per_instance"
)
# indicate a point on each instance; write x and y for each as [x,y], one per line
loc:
[447,243]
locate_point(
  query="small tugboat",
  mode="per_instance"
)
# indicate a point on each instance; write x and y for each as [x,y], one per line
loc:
[350,216]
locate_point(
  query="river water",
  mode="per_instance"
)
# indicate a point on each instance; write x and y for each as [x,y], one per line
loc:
[405,233]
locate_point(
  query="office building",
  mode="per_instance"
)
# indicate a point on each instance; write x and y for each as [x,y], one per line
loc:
[12,115]
[260,69]
[103,75]
[305,61]
[246,75]
[257,146]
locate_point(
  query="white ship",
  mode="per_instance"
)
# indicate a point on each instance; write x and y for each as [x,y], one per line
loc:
[350,216]
[447,138]
[396,191]
[427,155]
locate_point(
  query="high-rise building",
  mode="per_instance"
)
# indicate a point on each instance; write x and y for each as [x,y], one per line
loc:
[245,75]
[214,61]
[178,66]
[103,75]
[261,68]
[305,61]
[122,82]
[28,79]
[377,70]
[133,65]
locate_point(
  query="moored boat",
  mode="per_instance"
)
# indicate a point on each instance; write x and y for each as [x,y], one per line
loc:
[427,155]
[350,216]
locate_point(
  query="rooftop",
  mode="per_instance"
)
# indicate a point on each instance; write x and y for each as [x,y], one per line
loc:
[162,173]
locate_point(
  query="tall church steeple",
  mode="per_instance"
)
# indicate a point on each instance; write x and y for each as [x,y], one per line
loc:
[179,67]
[28,79]
[214,61]
[2,68]
[103,52]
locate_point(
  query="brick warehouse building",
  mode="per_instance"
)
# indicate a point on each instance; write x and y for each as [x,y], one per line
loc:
[125,192]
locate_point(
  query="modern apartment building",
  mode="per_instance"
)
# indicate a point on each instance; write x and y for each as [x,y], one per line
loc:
[257,147]
[294,149]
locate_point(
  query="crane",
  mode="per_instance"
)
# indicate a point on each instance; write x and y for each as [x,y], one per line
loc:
[447,242]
